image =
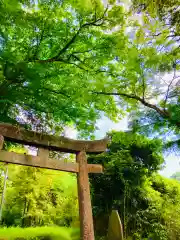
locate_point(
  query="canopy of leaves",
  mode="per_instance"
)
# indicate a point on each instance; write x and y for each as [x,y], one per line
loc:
[50,52]
[143,80]
[145,74]
[67,62]
[167,10]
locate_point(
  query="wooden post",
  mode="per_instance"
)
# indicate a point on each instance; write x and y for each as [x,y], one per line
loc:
[85,210]
[1,141]
[49,142]
[44,153]
[3,193]
[5,179]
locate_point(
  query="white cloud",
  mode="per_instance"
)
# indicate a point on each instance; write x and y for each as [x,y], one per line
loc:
[172,165]
[105,125]
[70,132]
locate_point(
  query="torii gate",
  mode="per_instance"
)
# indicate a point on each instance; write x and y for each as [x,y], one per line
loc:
[44,143]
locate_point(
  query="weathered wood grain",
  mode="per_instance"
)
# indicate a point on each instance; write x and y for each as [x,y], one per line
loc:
[41,162]
[44,143]
[63,144]
[43,153]
[85,210]
[1,141]
[37,161]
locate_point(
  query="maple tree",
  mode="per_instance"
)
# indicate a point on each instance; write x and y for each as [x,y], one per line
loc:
[166,10]
[50,52]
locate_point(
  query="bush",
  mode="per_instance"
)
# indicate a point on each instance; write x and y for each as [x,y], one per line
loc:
[39,233]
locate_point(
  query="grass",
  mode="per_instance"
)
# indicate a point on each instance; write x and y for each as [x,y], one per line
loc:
[49,233]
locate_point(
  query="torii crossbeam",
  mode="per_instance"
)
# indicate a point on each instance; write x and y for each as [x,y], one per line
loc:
[44,143]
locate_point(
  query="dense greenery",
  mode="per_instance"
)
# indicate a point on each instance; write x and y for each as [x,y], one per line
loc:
[163,17]
[167,10]
[51,233]
[50,52]
[148,204]
[67,63]
[37,197]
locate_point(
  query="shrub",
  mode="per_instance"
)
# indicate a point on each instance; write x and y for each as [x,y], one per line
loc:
[39,233]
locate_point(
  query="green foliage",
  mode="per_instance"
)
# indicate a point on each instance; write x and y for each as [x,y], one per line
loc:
[146,201]
[169,202]
[129,161]
[51,233]
[166,10]
[152,124]
[50,54]
[66,63]
[40,197]
[156,88]
[62,64]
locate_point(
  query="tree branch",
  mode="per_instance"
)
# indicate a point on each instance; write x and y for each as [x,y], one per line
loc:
[85,51]
[162,112]
[40,38]
[54,91]
[96,22]
[35,108]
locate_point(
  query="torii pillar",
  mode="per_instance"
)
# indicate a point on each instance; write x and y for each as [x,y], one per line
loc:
[44,143]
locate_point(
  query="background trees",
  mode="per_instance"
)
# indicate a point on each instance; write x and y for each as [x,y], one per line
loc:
[67,62]
[37,197]
[146,201]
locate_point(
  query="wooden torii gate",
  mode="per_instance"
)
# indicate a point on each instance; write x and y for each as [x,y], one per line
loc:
[44,143]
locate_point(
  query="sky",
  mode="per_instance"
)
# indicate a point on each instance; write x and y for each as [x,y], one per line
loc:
[172,162]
